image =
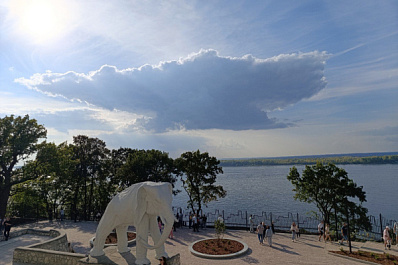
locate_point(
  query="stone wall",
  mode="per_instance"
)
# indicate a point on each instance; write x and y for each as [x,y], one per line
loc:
[53,251]
[27,255]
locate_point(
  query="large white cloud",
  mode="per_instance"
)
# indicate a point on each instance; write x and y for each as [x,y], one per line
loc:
[202,91]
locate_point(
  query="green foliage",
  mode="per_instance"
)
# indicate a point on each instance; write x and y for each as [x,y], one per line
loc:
[342,249]
[82,177]
[220,229]
[18,141]
[198,173]
[329,188]
[145,165]
[341,160]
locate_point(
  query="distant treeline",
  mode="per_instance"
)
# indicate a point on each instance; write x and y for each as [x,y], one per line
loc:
[341,160]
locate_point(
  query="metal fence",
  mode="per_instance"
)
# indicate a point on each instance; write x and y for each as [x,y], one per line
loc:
[282,222]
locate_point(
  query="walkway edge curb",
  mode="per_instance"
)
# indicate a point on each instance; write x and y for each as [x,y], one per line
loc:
[353,259]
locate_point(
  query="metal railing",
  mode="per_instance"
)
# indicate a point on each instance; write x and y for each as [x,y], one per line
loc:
[282,222]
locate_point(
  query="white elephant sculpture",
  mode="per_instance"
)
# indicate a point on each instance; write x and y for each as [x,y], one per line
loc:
[139,205]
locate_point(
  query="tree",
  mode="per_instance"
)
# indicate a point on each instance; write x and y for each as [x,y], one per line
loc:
[18,141]
[330,189]
[198,173]
[92,155]
[55,167]
[145,165]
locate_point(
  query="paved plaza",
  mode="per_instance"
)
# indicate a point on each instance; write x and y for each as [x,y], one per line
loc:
[307,250]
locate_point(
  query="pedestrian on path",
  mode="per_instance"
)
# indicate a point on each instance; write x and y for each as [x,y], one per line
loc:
[395,229]
[268,234]
[195,223]
[293,229]
[62,214]
[171,235]
[160,224]
[320,230]
[260,230]
[344,233]
[387,238]
[251,224]
[7,227]
[327,232]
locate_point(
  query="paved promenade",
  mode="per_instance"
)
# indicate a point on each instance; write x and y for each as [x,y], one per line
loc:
[307,250]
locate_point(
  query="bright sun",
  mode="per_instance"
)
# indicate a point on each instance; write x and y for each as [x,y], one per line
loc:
[40,20]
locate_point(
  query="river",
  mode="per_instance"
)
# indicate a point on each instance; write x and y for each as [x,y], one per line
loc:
[266,189]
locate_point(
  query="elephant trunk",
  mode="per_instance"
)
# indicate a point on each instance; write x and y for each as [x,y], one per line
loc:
[168,225]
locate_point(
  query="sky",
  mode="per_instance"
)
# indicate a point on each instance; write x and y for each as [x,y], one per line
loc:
[236,79]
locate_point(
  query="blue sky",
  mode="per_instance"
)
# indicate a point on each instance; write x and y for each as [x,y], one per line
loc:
[232,78]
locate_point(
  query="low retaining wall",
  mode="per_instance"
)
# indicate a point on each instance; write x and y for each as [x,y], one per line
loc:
[53,251]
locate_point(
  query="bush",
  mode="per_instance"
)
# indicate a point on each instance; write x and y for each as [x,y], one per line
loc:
[220,229]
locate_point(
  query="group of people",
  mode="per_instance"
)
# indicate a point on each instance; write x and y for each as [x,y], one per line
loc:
[264,232]
[6,223]
[387,238]
[324,232]
[196,221]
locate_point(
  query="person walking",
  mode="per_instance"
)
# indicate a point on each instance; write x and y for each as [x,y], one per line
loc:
[160,224]
[320,230]
[387,238]
[268,234]
[327,232]
[190,220]
[220,218]
[204,219]
[260,230]
[180,220]
[395,230]
[293,229]
[171,235]
[251,221]
[264,230]
[62,214]
[195,223]
[344,233]
[7,227]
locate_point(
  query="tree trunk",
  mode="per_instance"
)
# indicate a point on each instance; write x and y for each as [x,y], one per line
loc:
[90,201]
[5,189]
[4,194]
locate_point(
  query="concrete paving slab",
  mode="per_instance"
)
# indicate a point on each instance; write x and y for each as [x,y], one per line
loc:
[307,250]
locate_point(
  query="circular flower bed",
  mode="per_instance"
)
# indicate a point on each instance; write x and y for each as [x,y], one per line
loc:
[218,248]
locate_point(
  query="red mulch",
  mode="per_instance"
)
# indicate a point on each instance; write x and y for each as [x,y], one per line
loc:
[112,238]
[218,247]
[385,259]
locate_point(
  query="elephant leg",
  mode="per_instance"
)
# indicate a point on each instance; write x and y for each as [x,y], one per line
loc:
[155,234]
[142,236]
[104,228]
[122,239]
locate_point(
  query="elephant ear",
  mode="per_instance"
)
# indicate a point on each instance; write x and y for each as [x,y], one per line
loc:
[141,204]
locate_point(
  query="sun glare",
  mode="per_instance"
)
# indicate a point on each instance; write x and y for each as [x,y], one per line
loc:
[40,20]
